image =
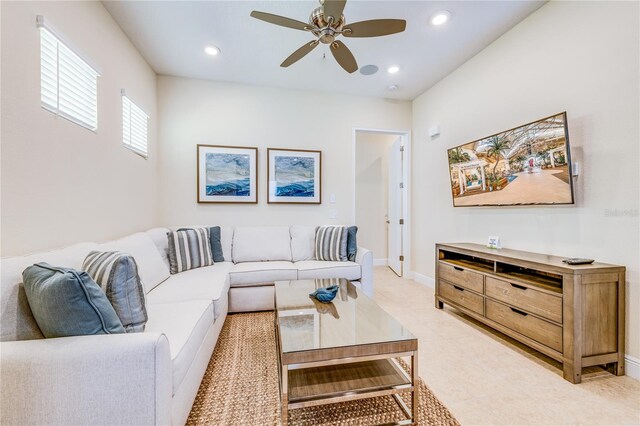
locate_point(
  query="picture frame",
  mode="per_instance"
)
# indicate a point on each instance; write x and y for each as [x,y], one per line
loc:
[227,174]
[294,176]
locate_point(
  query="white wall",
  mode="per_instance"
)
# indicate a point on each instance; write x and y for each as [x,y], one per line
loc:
[581,57]
[195,112]
[62,183]
[372,190]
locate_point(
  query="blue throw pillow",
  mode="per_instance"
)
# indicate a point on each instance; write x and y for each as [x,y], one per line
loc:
[66,302]
[352,243]
[216,244]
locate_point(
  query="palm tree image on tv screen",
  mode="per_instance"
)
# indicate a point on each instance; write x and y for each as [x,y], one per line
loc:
[529,164]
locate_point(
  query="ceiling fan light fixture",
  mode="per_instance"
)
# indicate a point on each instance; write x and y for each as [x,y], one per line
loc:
[393,69]
[212,50]
[440,18]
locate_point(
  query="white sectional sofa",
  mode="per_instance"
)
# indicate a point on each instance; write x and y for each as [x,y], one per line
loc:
[151,377]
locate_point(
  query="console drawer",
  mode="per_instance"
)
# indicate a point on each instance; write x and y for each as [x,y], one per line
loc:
[461,277]
[461,296]
[527,298]
[535,328]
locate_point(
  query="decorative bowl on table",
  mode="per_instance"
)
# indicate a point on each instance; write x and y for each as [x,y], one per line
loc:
[325,294]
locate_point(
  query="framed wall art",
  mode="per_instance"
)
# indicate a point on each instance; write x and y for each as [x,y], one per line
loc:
[227,174]
[294,176]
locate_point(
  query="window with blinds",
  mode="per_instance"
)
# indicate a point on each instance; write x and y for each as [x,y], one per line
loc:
[69,85]
[134,127]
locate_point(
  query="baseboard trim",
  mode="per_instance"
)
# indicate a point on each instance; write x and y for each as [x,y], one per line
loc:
[632,367]
[422,279]
[380,262]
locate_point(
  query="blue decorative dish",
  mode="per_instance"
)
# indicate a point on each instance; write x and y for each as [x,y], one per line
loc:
[325,294]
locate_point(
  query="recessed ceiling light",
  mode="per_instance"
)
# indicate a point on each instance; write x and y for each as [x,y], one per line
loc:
[393,69]
[440,18]
[211,50]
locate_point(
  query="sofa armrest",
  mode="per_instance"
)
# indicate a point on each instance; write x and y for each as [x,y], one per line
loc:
[101,379]
[364,258]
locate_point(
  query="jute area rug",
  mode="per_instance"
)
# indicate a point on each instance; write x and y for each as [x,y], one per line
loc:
[240,386]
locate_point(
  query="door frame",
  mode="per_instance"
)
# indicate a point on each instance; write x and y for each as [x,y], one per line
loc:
[407,271]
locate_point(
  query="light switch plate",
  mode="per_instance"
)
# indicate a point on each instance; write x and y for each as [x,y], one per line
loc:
[332,198]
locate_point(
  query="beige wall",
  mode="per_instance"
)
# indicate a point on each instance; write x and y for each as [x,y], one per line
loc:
[581,57]
[195,112]
[62,183]
[372,190]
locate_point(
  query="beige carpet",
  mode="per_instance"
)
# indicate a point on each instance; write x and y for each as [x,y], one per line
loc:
[240,386]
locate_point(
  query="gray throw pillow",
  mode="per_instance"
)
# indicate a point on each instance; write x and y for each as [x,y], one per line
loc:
[216,244]
[352,243]
[189,248]
[331,243]
[117,274]
[66,302]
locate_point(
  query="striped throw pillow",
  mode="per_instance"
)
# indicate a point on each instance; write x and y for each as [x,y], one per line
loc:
[189,249]
[331,243]
[117,274]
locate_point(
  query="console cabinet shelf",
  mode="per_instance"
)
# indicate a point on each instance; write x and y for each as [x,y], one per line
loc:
[571,313]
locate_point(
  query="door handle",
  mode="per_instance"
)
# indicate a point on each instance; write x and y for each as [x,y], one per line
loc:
[387,221]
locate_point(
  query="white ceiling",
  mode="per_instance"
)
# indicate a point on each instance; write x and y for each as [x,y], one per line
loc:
[171,35]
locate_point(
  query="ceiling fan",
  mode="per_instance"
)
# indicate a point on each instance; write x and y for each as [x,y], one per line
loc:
[327,22]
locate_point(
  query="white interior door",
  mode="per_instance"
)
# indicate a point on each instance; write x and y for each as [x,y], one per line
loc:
[396,220]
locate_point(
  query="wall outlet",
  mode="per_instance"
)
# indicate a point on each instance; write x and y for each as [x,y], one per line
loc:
[333,214]
[332,198]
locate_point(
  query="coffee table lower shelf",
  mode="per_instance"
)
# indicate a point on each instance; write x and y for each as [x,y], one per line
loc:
[308,386]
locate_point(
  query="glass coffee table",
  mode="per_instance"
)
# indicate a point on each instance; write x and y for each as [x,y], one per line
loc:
[341,351]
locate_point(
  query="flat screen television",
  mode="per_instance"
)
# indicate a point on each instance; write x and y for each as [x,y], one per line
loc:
[526,165]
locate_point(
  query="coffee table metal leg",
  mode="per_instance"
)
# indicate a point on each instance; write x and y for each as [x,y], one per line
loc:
[414,382]
[284,395]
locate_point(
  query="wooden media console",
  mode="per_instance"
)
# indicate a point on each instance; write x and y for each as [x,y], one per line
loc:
[572,313]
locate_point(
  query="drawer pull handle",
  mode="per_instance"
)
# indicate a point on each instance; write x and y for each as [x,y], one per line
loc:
[519,312]
[458,288]
[457,268]
[521,287]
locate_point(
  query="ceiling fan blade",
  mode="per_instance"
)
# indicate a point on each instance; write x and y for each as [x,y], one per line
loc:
[333,8]
[344,57]
[300,53]
[374,28]
[282,21]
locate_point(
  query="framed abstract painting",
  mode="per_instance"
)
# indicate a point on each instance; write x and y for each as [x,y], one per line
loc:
[294,176]
[227,174]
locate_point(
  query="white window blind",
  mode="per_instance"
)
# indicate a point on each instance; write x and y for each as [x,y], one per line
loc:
[69,85]
[134,127]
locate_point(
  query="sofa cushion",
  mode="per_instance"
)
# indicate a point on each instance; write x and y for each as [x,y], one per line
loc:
[159,238]
[208,283]
[66,302]
[151,267]
[117,275]
[302,239]
[249,273]
[185,324]
[16,320]
[263,243]
[313,269]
